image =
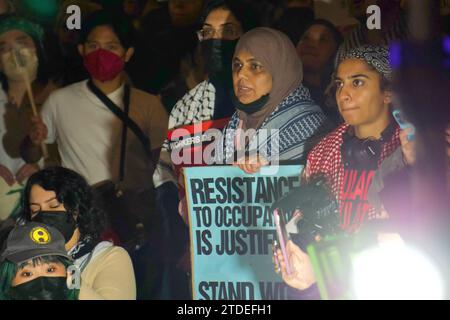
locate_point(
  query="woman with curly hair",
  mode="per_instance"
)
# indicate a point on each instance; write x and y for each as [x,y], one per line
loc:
[61,198]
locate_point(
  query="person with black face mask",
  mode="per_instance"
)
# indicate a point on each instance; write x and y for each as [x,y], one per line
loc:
[223,22]
[34,265]
[62,199]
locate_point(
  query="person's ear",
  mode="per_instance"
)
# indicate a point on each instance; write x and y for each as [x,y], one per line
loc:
[387,100]
[81,50]
[129,54]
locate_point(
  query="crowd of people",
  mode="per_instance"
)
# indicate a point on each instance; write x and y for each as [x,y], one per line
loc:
[86,172]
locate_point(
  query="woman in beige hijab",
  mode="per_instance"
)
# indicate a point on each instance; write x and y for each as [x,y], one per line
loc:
[278,119]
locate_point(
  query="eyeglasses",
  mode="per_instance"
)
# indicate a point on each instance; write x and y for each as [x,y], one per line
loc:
[228,32]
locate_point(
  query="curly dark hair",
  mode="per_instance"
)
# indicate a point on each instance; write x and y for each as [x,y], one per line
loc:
[73,191]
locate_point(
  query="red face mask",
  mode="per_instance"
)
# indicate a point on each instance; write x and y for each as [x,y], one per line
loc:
[103,65]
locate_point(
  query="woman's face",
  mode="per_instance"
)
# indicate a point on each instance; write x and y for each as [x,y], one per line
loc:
[184,13]
[43,200]
[358,94]
[9,40]
[4,6]
[316,47]
[221,24]
[30,272]
[251,79]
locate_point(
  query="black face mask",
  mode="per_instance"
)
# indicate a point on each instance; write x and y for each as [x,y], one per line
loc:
[42,288]
[218,55]
[60,220]
[252,107]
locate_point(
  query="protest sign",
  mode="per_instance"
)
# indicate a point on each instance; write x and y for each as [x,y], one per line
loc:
[232,231]
[187,143]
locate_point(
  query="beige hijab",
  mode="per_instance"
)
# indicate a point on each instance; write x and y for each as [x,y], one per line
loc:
[278,55]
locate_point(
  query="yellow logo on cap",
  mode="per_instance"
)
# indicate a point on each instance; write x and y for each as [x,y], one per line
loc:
[40,235]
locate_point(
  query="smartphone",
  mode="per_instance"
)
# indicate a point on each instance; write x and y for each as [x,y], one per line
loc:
[283,236]
[403,124]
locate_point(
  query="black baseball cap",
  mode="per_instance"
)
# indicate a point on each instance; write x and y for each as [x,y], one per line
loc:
[33,240]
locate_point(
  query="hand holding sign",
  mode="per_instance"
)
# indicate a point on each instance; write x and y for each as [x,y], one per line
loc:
[251,164]
[232,228]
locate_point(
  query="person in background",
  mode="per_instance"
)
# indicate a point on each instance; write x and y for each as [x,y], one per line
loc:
[293,18]
[6,6]
[149,6]
[19,35]
[106,46]
[34,265]
[166,36]
[61,198]
[134,9]
[224,22]
[394,25]
[70,63]
[106,152]
[317,49]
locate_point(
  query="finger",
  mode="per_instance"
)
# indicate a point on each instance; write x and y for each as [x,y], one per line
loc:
[247,168]
[23,173]
[254,167]
[284,274]
[19,175]
[257,167]
[37,136]
[244,167]
[403,137]
[39,128]
[251,168]
[280,256]
[276,264]
[297,213]
[404,134]
[252,160]
[36,119]
[8,180]
[69,279]
[7,176]
[263,161]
